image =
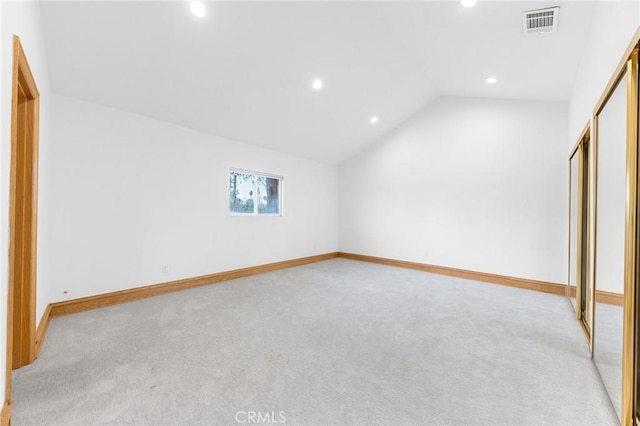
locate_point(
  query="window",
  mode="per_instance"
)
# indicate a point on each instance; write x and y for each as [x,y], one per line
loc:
[253,193]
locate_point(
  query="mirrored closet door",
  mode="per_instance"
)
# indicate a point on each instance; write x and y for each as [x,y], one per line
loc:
[578,290]
[610,240]
[616,239]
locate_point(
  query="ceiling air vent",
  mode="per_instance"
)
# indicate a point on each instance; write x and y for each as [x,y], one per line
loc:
[540,21]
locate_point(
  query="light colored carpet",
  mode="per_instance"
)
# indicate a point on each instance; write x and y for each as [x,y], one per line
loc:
[336,342]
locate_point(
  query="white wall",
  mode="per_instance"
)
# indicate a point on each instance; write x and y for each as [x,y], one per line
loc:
[470,183]
[22,19]
[613,27]
[132,194]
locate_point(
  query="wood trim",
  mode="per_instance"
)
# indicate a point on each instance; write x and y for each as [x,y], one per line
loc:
[5,414]
[124,296]
[617,74]
[20,60]
[10,296]
[42,328]
[609,298]
[22,216]
[129,295]
[605,297]
[542,286]
[33,266]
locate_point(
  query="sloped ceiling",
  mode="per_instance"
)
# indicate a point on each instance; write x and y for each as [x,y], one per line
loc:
[244,71]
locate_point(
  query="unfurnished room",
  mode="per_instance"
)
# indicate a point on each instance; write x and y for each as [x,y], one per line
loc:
[320,212]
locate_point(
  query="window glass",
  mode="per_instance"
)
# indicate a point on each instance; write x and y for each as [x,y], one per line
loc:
[268,195]
[241,190]
[254,193]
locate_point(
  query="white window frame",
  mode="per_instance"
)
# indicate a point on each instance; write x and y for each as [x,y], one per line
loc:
[255,193]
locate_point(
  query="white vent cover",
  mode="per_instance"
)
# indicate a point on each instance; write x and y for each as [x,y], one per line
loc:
[540,21]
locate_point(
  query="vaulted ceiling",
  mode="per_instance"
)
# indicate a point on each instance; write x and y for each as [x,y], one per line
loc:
[244,71]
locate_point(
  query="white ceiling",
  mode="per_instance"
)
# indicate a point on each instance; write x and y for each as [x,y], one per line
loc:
[245,70]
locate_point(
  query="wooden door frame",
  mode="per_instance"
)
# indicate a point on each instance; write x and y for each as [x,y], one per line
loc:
[22,80]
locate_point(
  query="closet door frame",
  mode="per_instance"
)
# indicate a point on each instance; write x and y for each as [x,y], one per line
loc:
[628,66]
[581,148]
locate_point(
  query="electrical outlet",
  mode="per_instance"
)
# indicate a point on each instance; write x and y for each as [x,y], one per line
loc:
[165,269]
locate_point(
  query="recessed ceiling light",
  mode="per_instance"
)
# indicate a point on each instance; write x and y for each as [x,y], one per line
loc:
[374,119]
[469,3]
[492,80]
[197,8]
[317,84]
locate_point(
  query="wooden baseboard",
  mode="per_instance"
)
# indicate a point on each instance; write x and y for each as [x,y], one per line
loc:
[609,298]
[117,297]
[602,296]
[129,295]
[543,286]
[41,332]
[5,414]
